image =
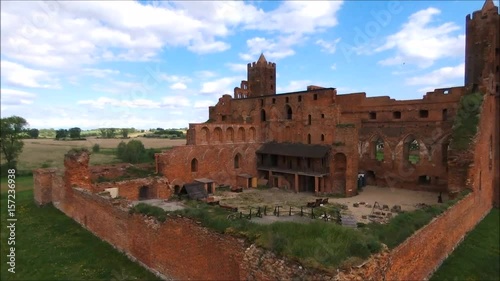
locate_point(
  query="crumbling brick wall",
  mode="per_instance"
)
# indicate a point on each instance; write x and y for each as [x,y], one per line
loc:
[157,187]
[183,164]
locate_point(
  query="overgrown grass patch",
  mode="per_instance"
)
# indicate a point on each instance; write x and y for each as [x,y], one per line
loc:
[51,246]
[318,244]
[478,256]
[149,210]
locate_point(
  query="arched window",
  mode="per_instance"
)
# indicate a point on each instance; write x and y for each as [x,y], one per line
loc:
[237,160]
[194,165]
[309,119]
[309,138]
[288,110]
[262,115]
[322,137]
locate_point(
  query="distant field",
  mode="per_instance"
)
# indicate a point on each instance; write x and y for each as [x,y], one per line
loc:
[38,153]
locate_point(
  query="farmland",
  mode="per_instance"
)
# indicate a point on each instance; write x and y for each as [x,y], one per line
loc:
[45,153]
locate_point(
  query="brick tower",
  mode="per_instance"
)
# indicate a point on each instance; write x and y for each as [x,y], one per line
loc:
[261,78]
[482,48]
[482,73]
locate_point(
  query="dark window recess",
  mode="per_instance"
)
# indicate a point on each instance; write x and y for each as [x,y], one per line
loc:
[194,165]
[396,114]
[224,117]
[373,115]
[424,180]
[424,113]
[322,137]
[286,99]
[274,100]
[300,98]
[315,96]
[322,116]
[261,102]
[445,114]
[272,87]
[309,119]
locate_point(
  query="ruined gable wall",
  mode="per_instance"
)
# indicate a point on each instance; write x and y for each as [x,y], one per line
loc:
[428,120]
[214,161]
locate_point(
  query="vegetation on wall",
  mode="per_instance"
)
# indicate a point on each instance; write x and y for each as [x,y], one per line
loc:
[466,121]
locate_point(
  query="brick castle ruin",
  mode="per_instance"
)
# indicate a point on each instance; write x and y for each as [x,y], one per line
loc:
[310,141]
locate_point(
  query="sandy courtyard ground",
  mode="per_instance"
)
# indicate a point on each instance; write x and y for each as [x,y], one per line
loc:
[254,198]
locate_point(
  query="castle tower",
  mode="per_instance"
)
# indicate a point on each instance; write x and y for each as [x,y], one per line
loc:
[261,77]
[482,47]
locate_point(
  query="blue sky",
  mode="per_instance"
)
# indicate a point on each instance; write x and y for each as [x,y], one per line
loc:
[151,64]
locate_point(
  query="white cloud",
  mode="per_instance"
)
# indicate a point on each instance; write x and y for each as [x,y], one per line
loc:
[237,67]
[220,86]
[277,48]
[204,103]
[439,76]
[422,44]
[178,86]
[298,17]
[328,47]
[100,73]
[18,75]
[334,66]
[16,97]
[175,102]
[294,86]
[205,74]
[105,103]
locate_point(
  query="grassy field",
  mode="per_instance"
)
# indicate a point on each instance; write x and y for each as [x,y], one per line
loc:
[478,256]
[51,246]
[38,153]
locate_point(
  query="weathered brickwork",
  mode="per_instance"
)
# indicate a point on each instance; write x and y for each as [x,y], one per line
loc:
[378,136]
[154,187]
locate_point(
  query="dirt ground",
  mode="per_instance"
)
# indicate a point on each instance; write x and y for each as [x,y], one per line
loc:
[253,198]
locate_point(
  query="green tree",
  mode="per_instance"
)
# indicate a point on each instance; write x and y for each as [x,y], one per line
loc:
[108,133]
[125,132]
[10,142]
[75,132]
[33,133]
[61,134]
[132,152]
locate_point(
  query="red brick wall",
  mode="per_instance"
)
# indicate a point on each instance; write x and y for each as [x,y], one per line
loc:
[214,161]
[42,179]
[158,187]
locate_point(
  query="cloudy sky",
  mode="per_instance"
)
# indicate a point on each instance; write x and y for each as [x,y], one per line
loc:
[151,64]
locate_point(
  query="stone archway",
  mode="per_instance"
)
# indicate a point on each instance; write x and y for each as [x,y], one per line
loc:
[144,193]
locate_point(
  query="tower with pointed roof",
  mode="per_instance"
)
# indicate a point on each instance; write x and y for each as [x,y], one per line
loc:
[482,48]
[261,77]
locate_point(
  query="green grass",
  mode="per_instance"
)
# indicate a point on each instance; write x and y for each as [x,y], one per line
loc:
[478,256]
[318,244]
[22,183]
[51,246]
[413,159]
